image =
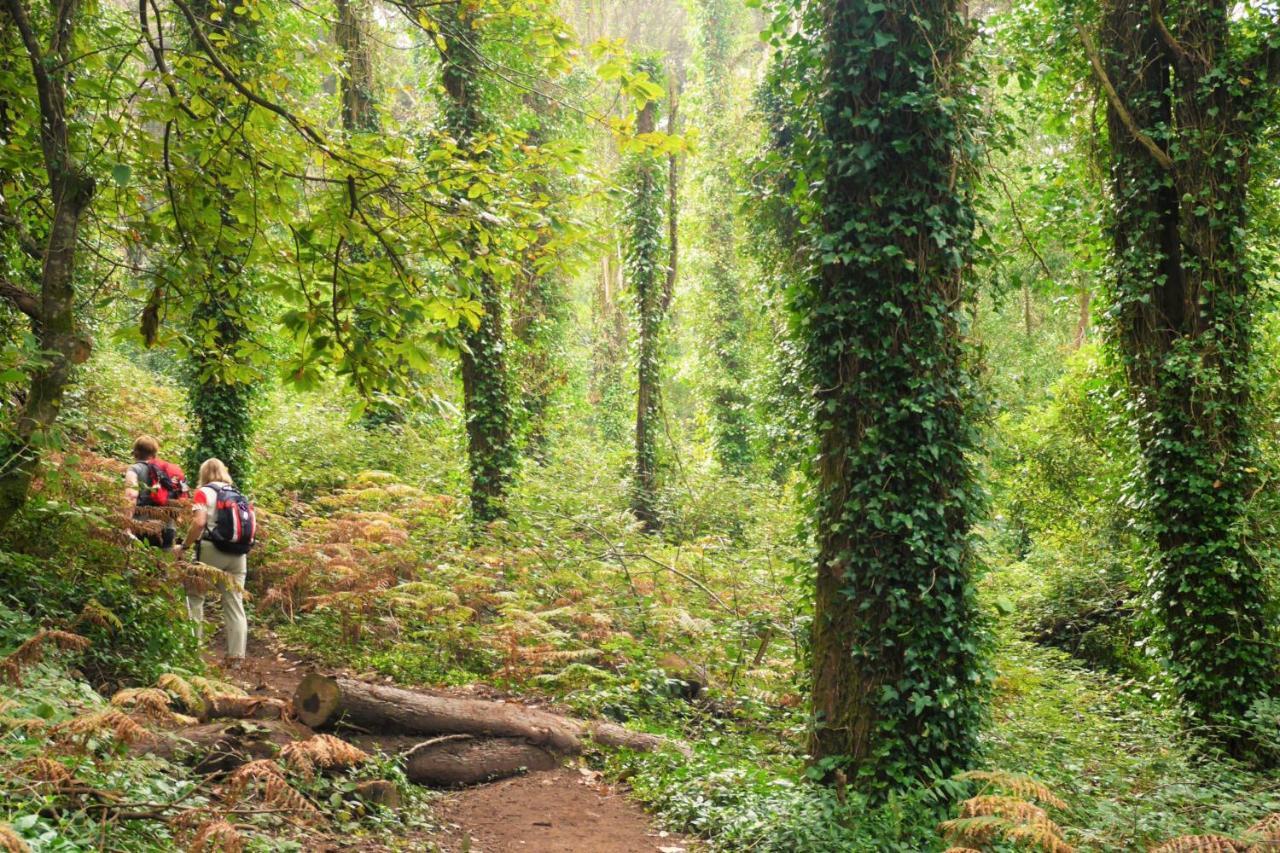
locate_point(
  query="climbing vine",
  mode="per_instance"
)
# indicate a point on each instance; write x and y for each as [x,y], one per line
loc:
[220,377]
[731,406]
[645,265]
[897,674]
[1187,102]
[485,381]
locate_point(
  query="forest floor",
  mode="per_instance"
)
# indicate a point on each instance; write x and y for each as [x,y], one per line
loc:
[570,810]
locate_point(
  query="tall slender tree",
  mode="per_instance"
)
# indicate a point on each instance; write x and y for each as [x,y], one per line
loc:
[646,269]
[718,28]
[1188,99]
[45,43]
[485,381]
[896,671]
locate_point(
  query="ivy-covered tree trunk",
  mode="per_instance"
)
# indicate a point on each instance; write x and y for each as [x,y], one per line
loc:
[356,85]
[897,681]
[485,382]
[730,403]
[539,305]
[221,383]
[51,309]
[646,274]
[1185,110]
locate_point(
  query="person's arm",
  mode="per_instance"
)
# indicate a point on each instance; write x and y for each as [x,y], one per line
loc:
[131,485]
[198,519]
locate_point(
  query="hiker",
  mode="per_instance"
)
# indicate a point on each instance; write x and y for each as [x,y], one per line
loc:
[152,482]
[223,529]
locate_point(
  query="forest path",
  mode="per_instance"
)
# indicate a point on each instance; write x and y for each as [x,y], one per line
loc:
[563,811]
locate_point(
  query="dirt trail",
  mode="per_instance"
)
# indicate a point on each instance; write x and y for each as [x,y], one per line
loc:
[565,811]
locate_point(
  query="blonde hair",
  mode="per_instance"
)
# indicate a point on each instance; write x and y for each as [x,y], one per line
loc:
[214,471]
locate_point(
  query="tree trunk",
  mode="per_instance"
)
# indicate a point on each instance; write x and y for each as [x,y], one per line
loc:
[53,312]
[322,701]
[356,86]
[646,273]
[730,406]
[1183,120]
[485,384]
[459,760]
[897,688]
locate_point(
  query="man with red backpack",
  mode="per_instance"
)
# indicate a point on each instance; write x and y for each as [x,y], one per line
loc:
[152,482]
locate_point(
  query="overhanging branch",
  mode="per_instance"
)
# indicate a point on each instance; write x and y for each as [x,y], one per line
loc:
[1113,97]
[20,298]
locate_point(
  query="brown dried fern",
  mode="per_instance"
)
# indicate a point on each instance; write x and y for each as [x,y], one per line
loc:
[32,651]
[1200,844]
[121,726]
[1016,784]
[1265,834]
[216,836]
[1011,809]
[44,770]
[322,751]
[10,841]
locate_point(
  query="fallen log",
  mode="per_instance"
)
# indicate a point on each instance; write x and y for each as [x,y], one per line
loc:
[322,701]
[455,761]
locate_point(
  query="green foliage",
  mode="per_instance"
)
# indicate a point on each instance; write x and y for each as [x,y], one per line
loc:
[744,806]
[62,562]
[731,406]
[1061,524]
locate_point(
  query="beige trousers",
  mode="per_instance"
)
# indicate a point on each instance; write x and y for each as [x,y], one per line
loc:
[235,566]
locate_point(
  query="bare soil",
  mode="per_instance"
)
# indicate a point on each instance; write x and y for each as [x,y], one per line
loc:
[561,811]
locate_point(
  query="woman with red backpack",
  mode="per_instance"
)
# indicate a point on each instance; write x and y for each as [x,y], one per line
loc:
[223,529]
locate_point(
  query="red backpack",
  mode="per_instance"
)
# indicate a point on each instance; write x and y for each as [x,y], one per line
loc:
[165,483]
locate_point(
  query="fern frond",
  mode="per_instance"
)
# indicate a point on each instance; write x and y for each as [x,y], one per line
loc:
[46,770]
[1200,844]
[1041,834]
[216,836]
[1009,808]
[32,651]
[186,693]
[974,830]
[263,768]
[33,725]
[95,614]
[1016,784]
[1265,831]
[10,841]
[148,700]
[123,727]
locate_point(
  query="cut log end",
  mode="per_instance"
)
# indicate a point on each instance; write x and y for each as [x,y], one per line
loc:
[316,700]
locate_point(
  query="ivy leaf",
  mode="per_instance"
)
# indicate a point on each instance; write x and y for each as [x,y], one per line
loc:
[121,173]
